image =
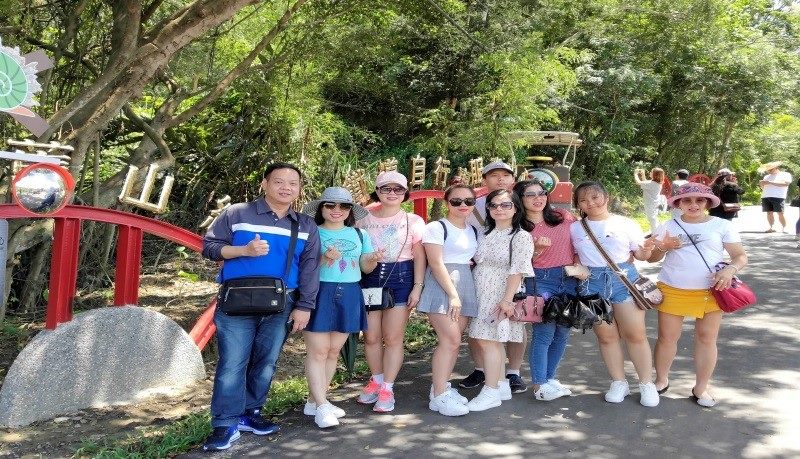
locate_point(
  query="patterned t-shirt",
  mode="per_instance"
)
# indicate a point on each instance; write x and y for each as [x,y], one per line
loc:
[346,241]
[393,234]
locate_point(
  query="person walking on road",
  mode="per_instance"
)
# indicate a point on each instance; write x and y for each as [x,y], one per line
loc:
[398,236]
[345,253]
[696,239]
[497,175]
[622,239]
[553,250]
[503,259]
[448,296]
[253,239]
[726,188]
[651,193]
[775,187]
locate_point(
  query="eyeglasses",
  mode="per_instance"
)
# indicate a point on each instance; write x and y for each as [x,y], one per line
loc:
[534,194]
[503,205]
[390,189]
[341,205]
[456,202]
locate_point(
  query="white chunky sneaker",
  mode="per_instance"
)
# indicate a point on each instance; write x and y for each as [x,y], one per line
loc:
[648,394]
[325,417]
[505,389]
[617,392]
[310,409]
[547,392]
[564,389]
[488,398]
[448,405]
[453,392]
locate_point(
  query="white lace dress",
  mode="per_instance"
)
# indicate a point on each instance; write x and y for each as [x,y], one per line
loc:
[491,274]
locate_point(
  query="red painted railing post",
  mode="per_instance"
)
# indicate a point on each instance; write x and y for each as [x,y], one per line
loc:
[129,265]
[63,271]
[421,208]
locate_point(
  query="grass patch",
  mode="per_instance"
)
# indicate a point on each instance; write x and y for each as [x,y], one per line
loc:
[640,218]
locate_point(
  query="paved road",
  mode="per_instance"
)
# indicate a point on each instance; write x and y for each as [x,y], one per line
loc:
[757,384]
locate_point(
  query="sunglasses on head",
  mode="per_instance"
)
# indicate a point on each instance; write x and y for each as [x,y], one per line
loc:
[533,194]
[455,202]
[391,189]
[503,205]
[341,205]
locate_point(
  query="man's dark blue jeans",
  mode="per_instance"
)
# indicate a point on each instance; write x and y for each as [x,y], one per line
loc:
[249,346]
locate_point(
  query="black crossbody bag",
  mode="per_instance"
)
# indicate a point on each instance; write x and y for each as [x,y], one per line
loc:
[258,295]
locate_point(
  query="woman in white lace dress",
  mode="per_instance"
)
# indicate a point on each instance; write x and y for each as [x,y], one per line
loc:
[502,260]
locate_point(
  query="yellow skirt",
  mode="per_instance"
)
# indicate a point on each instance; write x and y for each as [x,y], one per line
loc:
[687,303]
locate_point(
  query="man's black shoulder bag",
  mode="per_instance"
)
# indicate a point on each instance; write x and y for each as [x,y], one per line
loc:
[258,295]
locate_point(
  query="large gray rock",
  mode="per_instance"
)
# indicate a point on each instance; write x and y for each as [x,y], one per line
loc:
[103,356]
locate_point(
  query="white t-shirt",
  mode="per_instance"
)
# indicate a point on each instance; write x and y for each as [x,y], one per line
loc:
[480,206]
[677,183]
[460,245]
[772,191]
[683,267]
[617,235]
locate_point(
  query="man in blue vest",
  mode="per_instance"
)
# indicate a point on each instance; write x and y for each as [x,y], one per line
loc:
[253,239]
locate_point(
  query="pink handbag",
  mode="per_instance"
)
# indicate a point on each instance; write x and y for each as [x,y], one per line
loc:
[529,309]
[738,296]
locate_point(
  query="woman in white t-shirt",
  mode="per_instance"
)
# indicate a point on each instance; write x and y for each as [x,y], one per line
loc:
[685,290]
[623,240]
[449,294]
[651,193]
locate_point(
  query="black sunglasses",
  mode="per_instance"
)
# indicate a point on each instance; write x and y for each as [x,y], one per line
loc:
[341,205]
[389,189]
[455,202]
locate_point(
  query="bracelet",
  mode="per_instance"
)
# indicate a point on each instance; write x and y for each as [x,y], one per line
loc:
[421,284]
[735,268]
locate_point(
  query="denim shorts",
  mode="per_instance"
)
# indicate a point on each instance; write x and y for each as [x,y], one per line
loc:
[552,281]
[397,277]
[607,284]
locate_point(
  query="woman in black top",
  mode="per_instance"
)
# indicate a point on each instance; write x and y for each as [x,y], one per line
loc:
[728,191]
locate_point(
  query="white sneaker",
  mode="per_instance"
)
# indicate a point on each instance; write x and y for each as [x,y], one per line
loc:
[488,398]
[453,392]
[564,389]
[505,389]
[448,405]
[618,391]
[325,417]
[310,409]
[547,392]
[648,394]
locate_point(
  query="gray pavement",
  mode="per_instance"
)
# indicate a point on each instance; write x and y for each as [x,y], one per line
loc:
[756,383]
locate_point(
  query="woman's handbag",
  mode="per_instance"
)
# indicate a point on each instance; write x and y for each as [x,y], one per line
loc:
[645,293]
[738,296]
[731,207]
[528,306]
[380,298]
[257,296]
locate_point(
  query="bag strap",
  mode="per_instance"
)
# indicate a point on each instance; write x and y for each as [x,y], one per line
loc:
[478,216]
[292,245]
[510,242]
[694,244]
[360,237]
[444,228]
[635,293]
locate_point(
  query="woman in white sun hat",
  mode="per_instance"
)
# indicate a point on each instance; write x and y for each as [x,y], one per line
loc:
[687,245]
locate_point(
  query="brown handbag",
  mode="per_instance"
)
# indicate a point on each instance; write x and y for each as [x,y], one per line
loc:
[644,291]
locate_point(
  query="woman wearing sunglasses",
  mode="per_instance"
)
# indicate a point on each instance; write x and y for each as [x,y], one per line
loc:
[623,240]
[553,251]
[685,279]
[346,252]
[449,294]
[396,236]
[503,259]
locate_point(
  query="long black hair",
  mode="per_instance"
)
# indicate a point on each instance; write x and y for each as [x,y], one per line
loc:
[518,221]
[551,217]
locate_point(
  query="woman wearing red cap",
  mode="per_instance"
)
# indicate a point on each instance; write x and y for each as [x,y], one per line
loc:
[695,239]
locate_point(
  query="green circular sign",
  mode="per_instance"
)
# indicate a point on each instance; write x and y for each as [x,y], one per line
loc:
[13,82]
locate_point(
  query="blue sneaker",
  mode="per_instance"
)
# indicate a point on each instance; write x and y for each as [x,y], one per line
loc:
[221,438]
[252,421]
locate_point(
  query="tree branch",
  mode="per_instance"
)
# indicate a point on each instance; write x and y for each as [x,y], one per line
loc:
[154,135]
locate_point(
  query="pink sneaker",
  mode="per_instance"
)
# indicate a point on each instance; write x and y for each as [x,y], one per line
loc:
[369,394]
[385,401]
